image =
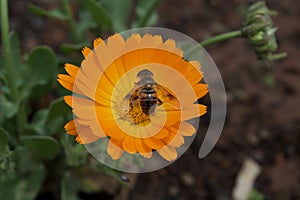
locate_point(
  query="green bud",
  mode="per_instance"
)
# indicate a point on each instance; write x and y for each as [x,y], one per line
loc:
[258,29]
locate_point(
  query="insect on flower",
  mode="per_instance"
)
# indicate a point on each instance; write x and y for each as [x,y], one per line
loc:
[138,93]
[144,97]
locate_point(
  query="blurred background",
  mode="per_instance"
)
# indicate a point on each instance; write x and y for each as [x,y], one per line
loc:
[263,103]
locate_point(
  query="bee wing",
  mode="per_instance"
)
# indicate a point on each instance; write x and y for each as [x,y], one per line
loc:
[166,96]
[126,100]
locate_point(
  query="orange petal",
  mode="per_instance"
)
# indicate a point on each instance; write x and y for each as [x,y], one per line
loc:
[82,108]
[114,150]
[116,45]
[70,128]
[149,40]
[115,132]
[173,116]
[86,136]
[193,73]
[174,139]
[86,51]
[68,100]
[97,41]
[187,129]
[200,90]
[153,143]
[66,81]
[83,132]
[161,134]
[142,148]
[128,144]
[168,153]
[193,111]
[72,70]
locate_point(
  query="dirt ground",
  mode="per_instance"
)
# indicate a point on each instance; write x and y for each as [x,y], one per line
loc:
[263,103]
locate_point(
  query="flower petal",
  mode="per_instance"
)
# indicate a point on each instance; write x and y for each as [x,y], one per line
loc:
[174,139]
[128,144]
[142,148]
[154,143]
[201,90]
[70,128]
[113,149]
[161,134]
[66,81]
[167,152]
[193,111]
[97,41]
[86,51]
[72,70]
[187,129]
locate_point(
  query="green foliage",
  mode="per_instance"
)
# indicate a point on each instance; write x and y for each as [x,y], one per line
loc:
[55,13]
[69,190]
[34,148]
[256,195]
[145,13]
[119,11]
[98,14]
[41,147]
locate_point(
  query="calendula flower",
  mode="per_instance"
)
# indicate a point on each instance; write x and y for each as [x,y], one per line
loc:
[138,92]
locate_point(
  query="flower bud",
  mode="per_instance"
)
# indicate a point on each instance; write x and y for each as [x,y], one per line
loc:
[259,31]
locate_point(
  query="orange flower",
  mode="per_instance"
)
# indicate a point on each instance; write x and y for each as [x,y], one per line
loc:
[138,93]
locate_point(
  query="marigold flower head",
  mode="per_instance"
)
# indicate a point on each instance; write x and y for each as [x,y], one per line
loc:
[138,92]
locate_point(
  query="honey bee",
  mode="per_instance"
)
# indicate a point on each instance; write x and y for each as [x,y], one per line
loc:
[146,95]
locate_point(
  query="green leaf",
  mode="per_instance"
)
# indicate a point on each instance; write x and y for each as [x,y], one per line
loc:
[29,188]
[3,139]
[4,150]
[119,11]
[69,188]
[58,108]
[38,122]
[86,22]
[71,48]
[55,13]
[41,147]
[18,66]
[98,13]
[8,109]
[146,13]
[22,186]
[49,121]
[42,64]
[76,154]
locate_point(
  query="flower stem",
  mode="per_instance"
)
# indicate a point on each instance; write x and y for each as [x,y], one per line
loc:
[221,37]
[71,21]
[7,52]
[277,56]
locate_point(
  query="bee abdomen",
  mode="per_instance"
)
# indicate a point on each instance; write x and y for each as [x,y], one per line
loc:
[148,104]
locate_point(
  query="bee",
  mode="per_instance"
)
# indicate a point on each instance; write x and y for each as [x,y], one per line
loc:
[143,99]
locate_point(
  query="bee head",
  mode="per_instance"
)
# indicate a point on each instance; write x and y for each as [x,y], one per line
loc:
[144,73]
[145,77]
